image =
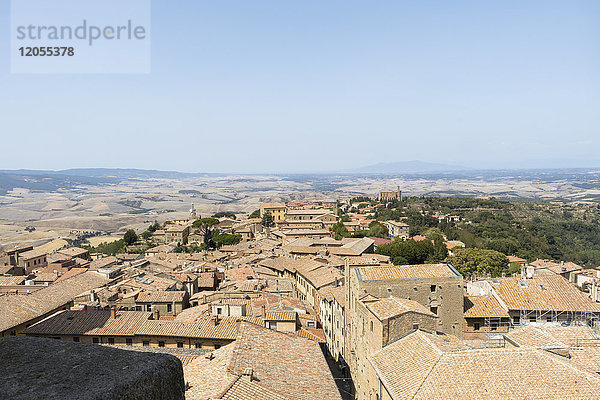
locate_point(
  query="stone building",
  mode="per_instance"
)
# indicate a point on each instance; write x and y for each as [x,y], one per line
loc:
[397,229]
[390,195]
[438,287]
[333,319]
[379,323]
[163,302]
[32,259]
[136,328]
[177,234]
[277,210]
[384,302]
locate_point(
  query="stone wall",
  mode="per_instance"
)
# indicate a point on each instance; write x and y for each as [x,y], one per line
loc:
[36,368]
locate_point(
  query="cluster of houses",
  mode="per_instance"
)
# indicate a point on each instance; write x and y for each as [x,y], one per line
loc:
[262,318]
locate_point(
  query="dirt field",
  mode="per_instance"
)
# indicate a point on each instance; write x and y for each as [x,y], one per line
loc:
[110,209]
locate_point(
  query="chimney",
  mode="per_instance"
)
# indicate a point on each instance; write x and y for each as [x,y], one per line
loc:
[248,374]
[156,314]
[113,312]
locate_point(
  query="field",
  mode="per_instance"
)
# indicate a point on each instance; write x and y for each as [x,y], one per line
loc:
[108,205]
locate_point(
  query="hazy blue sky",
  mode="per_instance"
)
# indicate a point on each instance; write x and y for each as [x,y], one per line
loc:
[254,86]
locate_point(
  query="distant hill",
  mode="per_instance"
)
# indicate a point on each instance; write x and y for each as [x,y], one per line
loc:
[46,181]
[119,173]
[123,173]
[407,167]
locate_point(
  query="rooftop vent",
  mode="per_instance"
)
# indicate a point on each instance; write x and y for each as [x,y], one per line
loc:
[247,374]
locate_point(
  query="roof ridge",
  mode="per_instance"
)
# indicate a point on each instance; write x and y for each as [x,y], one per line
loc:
[430,342]
[229,386]
[561,360]
[427,376]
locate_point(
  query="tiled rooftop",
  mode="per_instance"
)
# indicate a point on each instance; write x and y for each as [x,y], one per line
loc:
[405,272]
[160,297]
[299,372]
[484,307]
[18,309]
[419,367]
[394,306]
[133,323]
[280,316]
[548,292]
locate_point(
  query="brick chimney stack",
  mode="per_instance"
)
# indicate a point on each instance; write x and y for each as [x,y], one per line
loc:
[113,312]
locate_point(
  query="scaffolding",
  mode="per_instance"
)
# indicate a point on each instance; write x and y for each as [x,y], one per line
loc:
[565,318]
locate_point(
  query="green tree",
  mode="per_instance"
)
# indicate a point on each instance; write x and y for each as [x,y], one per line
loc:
[267,220]
[378,230]
[254,214]
[130,237]
[112,248]
[340,231]
[479,262]
[223,239]
[206,227]
[407,252]
[226,214]
[153,227]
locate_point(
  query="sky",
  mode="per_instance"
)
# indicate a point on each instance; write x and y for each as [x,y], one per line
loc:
[276,86]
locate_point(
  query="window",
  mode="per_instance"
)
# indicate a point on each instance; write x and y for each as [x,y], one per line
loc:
[198,345]
[180,344]
[532,319]
[433,310]
[111,340]
[371,326]
[494,326]
[13,333]
[476,326]
[415,326]
[146,343]
[273,325]
[96,340]
[517,320]
[548,319]
[128,341]
[161,343]
[169,307]
[76,339]
[149,307]
[433,288]
[219,311]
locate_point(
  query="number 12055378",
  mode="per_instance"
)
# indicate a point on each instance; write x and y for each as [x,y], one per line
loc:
[48,51]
